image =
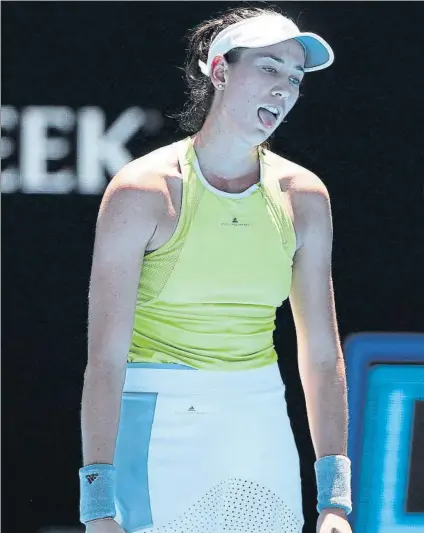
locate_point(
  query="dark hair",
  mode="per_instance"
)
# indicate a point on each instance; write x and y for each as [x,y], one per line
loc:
[200,87]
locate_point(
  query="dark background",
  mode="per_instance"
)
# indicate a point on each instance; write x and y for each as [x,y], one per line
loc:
[358,126]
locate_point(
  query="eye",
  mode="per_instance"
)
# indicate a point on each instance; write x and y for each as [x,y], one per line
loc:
[270,69]
[295,81]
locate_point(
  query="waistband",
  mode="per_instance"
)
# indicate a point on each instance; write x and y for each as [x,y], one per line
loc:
[184,380]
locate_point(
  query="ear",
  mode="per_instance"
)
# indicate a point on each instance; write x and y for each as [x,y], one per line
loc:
[218,71]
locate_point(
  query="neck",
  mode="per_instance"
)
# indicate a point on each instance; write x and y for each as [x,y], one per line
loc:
[223,153]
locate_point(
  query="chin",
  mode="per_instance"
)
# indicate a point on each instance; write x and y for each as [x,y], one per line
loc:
[263,134]
[253,134]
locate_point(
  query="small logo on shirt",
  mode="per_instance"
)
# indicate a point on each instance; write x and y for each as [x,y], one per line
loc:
[91,477]
[234,222]
[190,410]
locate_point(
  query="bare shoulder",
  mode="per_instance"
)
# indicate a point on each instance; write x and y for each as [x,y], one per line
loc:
[145,177]
[136,200]
[307,195]
[294,178]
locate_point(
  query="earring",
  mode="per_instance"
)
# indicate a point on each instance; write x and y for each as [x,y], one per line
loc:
[220,86]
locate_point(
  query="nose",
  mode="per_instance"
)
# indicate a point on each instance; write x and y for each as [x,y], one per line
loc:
[281,92]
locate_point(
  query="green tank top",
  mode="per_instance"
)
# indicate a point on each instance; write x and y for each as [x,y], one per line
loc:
[208,297]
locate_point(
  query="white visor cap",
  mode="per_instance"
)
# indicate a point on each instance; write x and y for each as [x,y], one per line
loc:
[266,30]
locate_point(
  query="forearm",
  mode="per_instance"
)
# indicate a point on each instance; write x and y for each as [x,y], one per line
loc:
[100,412]
[325,392]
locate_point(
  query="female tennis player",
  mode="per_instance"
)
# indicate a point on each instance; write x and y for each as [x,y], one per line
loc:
[184,420]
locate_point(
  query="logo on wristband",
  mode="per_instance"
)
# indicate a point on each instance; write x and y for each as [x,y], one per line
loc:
[91,477]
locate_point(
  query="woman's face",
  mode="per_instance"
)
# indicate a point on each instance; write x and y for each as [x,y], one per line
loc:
[262,78]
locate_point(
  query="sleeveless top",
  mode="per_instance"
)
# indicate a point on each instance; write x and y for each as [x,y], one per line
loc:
[208,297]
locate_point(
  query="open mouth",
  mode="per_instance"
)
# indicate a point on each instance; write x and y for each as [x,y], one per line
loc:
[269,115]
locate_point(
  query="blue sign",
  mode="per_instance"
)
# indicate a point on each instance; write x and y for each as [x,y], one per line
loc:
[385,375]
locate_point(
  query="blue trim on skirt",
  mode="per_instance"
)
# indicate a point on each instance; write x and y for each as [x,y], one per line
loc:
[166,366]
[131,459]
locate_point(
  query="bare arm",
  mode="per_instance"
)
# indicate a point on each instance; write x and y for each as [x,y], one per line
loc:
[321,364]
[127,220]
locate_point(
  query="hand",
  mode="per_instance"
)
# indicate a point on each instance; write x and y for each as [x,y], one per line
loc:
[106,525]
[333,520]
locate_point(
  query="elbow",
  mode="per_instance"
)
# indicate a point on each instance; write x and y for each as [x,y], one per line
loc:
[322,362]
[108,352]
[106,363]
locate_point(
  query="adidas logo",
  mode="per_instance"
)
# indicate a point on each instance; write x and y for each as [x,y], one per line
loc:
[234,222]
[91,477]
[192,410]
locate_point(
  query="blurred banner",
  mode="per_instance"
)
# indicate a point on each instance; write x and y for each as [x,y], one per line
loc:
[58,150]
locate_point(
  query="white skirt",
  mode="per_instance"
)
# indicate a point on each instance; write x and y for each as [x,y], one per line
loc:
[206,452]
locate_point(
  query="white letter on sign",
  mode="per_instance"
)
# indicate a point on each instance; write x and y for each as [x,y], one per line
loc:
[99,149]
[37,148]
[9,174]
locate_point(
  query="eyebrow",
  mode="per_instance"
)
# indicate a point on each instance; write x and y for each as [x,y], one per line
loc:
[279,60]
